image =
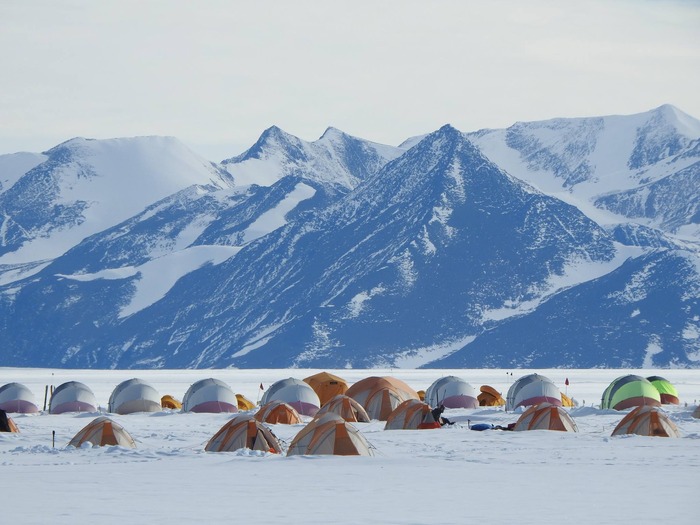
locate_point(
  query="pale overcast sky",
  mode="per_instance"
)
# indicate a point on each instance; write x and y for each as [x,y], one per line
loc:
[215,74]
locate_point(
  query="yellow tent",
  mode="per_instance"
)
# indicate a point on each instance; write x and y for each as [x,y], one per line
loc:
[244,403]
[326,385]
[168,401]
[490,397]
[566,401]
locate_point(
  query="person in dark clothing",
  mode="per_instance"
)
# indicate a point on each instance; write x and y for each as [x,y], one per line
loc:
[4,423]
[437,415]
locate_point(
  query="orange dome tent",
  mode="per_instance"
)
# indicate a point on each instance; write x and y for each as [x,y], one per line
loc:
[243,431]
[329,434]
[647,420]
[278,412]
[410,415]
[381,395]
[103,432]
[326,385]
[546,416]
[347,408]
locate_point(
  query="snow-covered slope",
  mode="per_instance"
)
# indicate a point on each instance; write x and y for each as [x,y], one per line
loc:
[85,186]
[366,281]
[348,253]
[14,165]
[643,167]
[337,159]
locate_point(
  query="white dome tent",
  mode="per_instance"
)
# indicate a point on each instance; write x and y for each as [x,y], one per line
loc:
[532,389]
[209,395]
[134,395]
[452,392]
[295,393]
[17,398]
[72,396]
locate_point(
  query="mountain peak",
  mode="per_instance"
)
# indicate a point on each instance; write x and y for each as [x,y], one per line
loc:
[332,133]
[448,128]
[678,119]
[268,139]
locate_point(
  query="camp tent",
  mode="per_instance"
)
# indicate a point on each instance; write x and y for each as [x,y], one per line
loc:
[326,385]
[168,401]
[347,408]
[630,391]
[209,395]
[532,389]
[646,420]
[490,397]
[329,434]
[72,396]
[244,403]
[278,413]
[101,432]
[295,393]
[696,412]
[452,392]
[243,431]
[380,395]
[546,416]
[667,392]
[134,395]
[6,423]
[412,414]
[566,401]
[17,398]
[421,394]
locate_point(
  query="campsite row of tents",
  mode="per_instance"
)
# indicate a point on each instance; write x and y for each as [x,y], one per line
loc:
[331,432]
[379,396]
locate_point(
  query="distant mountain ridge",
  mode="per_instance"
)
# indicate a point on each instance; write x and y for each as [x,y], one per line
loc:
[643,167]
[570,242]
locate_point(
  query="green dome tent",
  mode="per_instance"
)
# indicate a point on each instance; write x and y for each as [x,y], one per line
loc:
[668,392]
[630,391]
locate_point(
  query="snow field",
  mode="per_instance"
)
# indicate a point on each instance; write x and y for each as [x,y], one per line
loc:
[451,475]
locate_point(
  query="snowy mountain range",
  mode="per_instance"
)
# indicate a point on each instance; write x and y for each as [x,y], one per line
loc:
[562,243]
